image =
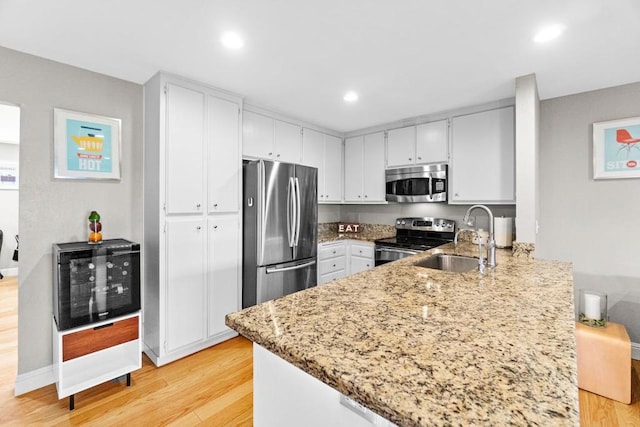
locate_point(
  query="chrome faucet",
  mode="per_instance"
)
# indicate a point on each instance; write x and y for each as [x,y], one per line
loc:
[491,241]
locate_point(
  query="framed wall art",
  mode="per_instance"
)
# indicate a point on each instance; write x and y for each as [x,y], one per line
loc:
[616,149]
[86,146]
[9,176]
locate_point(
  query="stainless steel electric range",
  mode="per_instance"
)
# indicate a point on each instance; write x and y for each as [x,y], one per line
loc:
[414,235]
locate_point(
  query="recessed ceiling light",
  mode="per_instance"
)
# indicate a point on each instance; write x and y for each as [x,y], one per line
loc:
[232,40]
[549,33]
[350,96]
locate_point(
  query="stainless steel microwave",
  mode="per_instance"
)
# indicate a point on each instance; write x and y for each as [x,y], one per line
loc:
[417,184]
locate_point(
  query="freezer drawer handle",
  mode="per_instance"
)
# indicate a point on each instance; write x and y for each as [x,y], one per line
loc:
[294,267]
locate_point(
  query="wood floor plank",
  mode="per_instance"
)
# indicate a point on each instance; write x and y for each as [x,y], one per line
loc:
[211,388]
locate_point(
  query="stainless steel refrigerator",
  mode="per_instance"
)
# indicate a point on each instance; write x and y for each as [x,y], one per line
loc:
[280,230]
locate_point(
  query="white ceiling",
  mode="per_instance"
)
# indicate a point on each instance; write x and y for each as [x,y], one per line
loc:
[405,58]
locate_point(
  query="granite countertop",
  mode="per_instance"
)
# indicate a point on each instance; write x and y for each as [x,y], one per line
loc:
[425,347]
[369,232]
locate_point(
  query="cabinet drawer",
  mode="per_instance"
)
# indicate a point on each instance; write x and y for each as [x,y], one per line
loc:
[331,250]
[90,340]
[326,278]
[331,265]
[365,251]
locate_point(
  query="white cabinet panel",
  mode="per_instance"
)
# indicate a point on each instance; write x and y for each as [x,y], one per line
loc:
[257,135]
[332,169]
[325,153]
[401,146]
[288,142]
[432,142]
[224,262]
[482,167]
[364,168]
[184,154]
[373,173]
[353,168]
[224,155]
[358,264]
[185,282]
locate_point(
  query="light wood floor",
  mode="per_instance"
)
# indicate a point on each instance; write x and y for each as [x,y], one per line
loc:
[212,387]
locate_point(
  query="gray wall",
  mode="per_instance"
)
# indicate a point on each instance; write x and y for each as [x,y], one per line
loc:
[56,211]
[594,224]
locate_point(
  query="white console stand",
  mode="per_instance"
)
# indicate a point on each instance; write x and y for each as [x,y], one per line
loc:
[92,354]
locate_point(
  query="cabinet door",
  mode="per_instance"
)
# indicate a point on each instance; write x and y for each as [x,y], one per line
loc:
[354,169]
[223,278]
[313,155]
[432,142]
[401,146]
[224,156]
[184,150]
[482,165]
[373,172]
[257,135]
[288,142]
[332,169]
[185,285]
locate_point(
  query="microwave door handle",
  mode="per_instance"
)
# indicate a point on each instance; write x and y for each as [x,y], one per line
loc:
[430,187]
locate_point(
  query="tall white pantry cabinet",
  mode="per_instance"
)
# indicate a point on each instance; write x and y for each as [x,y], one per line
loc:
[192,216]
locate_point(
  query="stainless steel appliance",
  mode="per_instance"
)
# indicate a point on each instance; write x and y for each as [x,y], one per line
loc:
[414,235]
[94,282]
[427,183]
[280,230]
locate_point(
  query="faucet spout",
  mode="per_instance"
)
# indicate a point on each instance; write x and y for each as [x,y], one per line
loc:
[491,243]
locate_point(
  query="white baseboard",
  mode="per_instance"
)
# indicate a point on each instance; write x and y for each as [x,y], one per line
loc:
[635,351]
[33,380]
[9,271]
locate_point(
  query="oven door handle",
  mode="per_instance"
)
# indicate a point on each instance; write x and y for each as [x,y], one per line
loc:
[400,251]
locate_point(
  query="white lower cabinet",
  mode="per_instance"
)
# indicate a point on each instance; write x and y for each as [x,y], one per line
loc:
[92,354]
[185,314]
[332,261]
[223,295]
[285,395]
[361,256]
[343,258]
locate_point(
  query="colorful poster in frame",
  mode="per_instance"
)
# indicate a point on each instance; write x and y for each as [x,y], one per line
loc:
[86,146]
[616,149]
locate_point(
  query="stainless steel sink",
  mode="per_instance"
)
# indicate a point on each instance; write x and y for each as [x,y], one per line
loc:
[453,263]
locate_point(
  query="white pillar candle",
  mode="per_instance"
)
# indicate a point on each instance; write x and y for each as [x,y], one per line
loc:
[592,306]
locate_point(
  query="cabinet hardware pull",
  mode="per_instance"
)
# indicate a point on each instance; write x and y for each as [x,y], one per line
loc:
[215,205]
[106,325]
[198,206]
[215,226]
[198,228]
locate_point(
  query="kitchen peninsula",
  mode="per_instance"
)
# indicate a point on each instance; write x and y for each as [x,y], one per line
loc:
[426,347]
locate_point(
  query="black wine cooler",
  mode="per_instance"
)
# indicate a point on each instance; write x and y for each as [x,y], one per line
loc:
[95,282]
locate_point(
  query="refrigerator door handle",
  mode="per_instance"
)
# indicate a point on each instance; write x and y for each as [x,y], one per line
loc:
[290,212]
[298,211]
[293,267]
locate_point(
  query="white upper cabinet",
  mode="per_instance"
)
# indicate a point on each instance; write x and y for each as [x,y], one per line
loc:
[224,151]
[267,138]
[364,168]
[288,142]
[185,147]
[432,142]
[257,135]
[401,146]
[324,152]
[416,145]
[482,167]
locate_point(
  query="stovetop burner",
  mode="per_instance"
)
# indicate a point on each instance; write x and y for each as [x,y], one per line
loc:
[421,233]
